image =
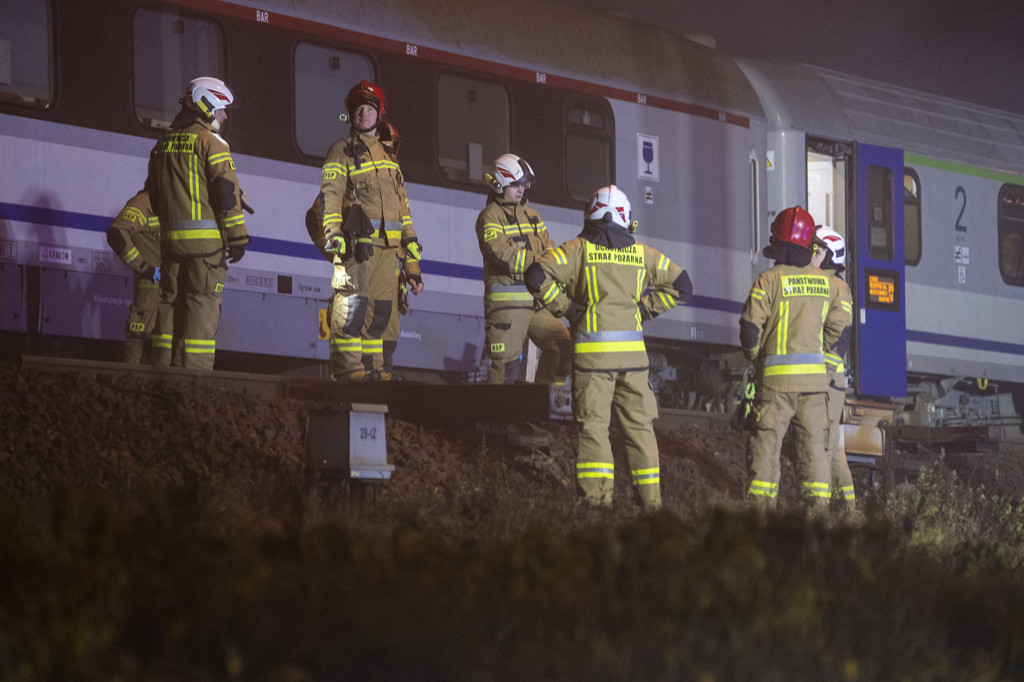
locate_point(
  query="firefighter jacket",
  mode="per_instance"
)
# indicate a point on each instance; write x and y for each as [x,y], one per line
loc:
[314,226]
[194,188]
[360,170]
[135,234]
[607,293]
[791,315]
[512,237]
[835,365]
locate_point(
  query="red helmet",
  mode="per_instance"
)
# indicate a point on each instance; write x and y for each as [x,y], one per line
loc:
[794,225]
[365,92]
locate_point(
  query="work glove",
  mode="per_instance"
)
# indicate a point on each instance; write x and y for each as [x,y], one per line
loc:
[415,279]
[363,250]
[152,274]
[246,207]
[336,244]
[412,248]
[645,313]
[235,252]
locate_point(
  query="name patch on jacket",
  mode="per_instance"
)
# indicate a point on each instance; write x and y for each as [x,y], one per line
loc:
[805,285]
[178,143]
[629,255]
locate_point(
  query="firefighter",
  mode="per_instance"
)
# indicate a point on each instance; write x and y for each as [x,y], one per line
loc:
[792,313]
[608,284]
[367,225]
[135,238]
[194,189]
[512,237]
[830,256]
[405,266]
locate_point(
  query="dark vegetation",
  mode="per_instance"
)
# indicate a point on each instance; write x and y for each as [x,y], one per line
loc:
[164,532]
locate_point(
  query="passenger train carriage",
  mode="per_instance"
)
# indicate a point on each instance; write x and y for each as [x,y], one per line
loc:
[929,192]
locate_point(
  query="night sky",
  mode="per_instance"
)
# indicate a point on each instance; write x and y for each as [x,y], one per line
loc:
[967,50]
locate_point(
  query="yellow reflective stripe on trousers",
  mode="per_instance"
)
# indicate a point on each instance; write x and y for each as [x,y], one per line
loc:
[373,346]
[161,341]
[847,492]
[595,470]
[646,476]
[816,489]
[347,345]
[199,346]
[763,489]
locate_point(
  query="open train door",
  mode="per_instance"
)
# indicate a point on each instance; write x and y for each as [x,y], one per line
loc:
[876,270]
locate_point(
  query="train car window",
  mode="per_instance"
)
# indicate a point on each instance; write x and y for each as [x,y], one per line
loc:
[911,217]
[879,218]
[589,141]
[26,53]
[170,49]
[472,126]
[322,77]
[1011,234]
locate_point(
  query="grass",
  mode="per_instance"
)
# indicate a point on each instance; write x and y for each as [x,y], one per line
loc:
[930,586]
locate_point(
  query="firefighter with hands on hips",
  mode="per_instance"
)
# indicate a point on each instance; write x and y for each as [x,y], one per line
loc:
[793,312]
[512,237]
[367,225]
[135,238]
[608,284]
[194,190]
[830,256]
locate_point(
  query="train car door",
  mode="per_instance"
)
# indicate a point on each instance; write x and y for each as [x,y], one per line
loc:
[876,273]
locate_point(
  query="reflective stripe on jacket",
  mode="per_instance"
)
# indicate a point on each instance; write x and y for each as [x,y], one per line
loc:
[359,169]
[194,189]
[611,285]
[798,313]
[511,237]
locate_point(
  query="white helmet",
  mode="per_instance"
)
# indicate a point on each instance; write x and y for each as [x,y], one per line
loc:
[509,170]
[834,242]
[207,95]
[610,203]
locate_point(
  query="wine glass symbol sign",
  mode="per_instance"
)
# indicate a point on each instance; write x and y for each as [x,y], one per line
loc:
[648,154]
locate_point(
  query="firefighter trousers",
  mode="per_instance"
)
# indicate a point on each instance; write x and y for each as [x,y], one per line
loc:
[775,410]
[506,330]
[141,318]
[189,312]
[595,395]
[841,478]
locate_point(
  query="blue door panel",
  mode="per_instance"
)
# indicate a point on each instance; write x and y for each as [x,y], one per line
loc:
[880,321]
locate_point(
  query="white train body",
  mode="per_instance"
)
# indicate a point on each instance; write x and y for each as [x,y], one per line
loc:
[708,148]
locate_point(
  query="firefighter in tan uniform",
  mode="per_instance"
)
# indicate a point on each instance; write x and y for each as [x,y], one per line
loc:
[405,267]
[367,225]
[194,189]
[598,281]
[830,256]
[135,238]
[512,237]
[793,311]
